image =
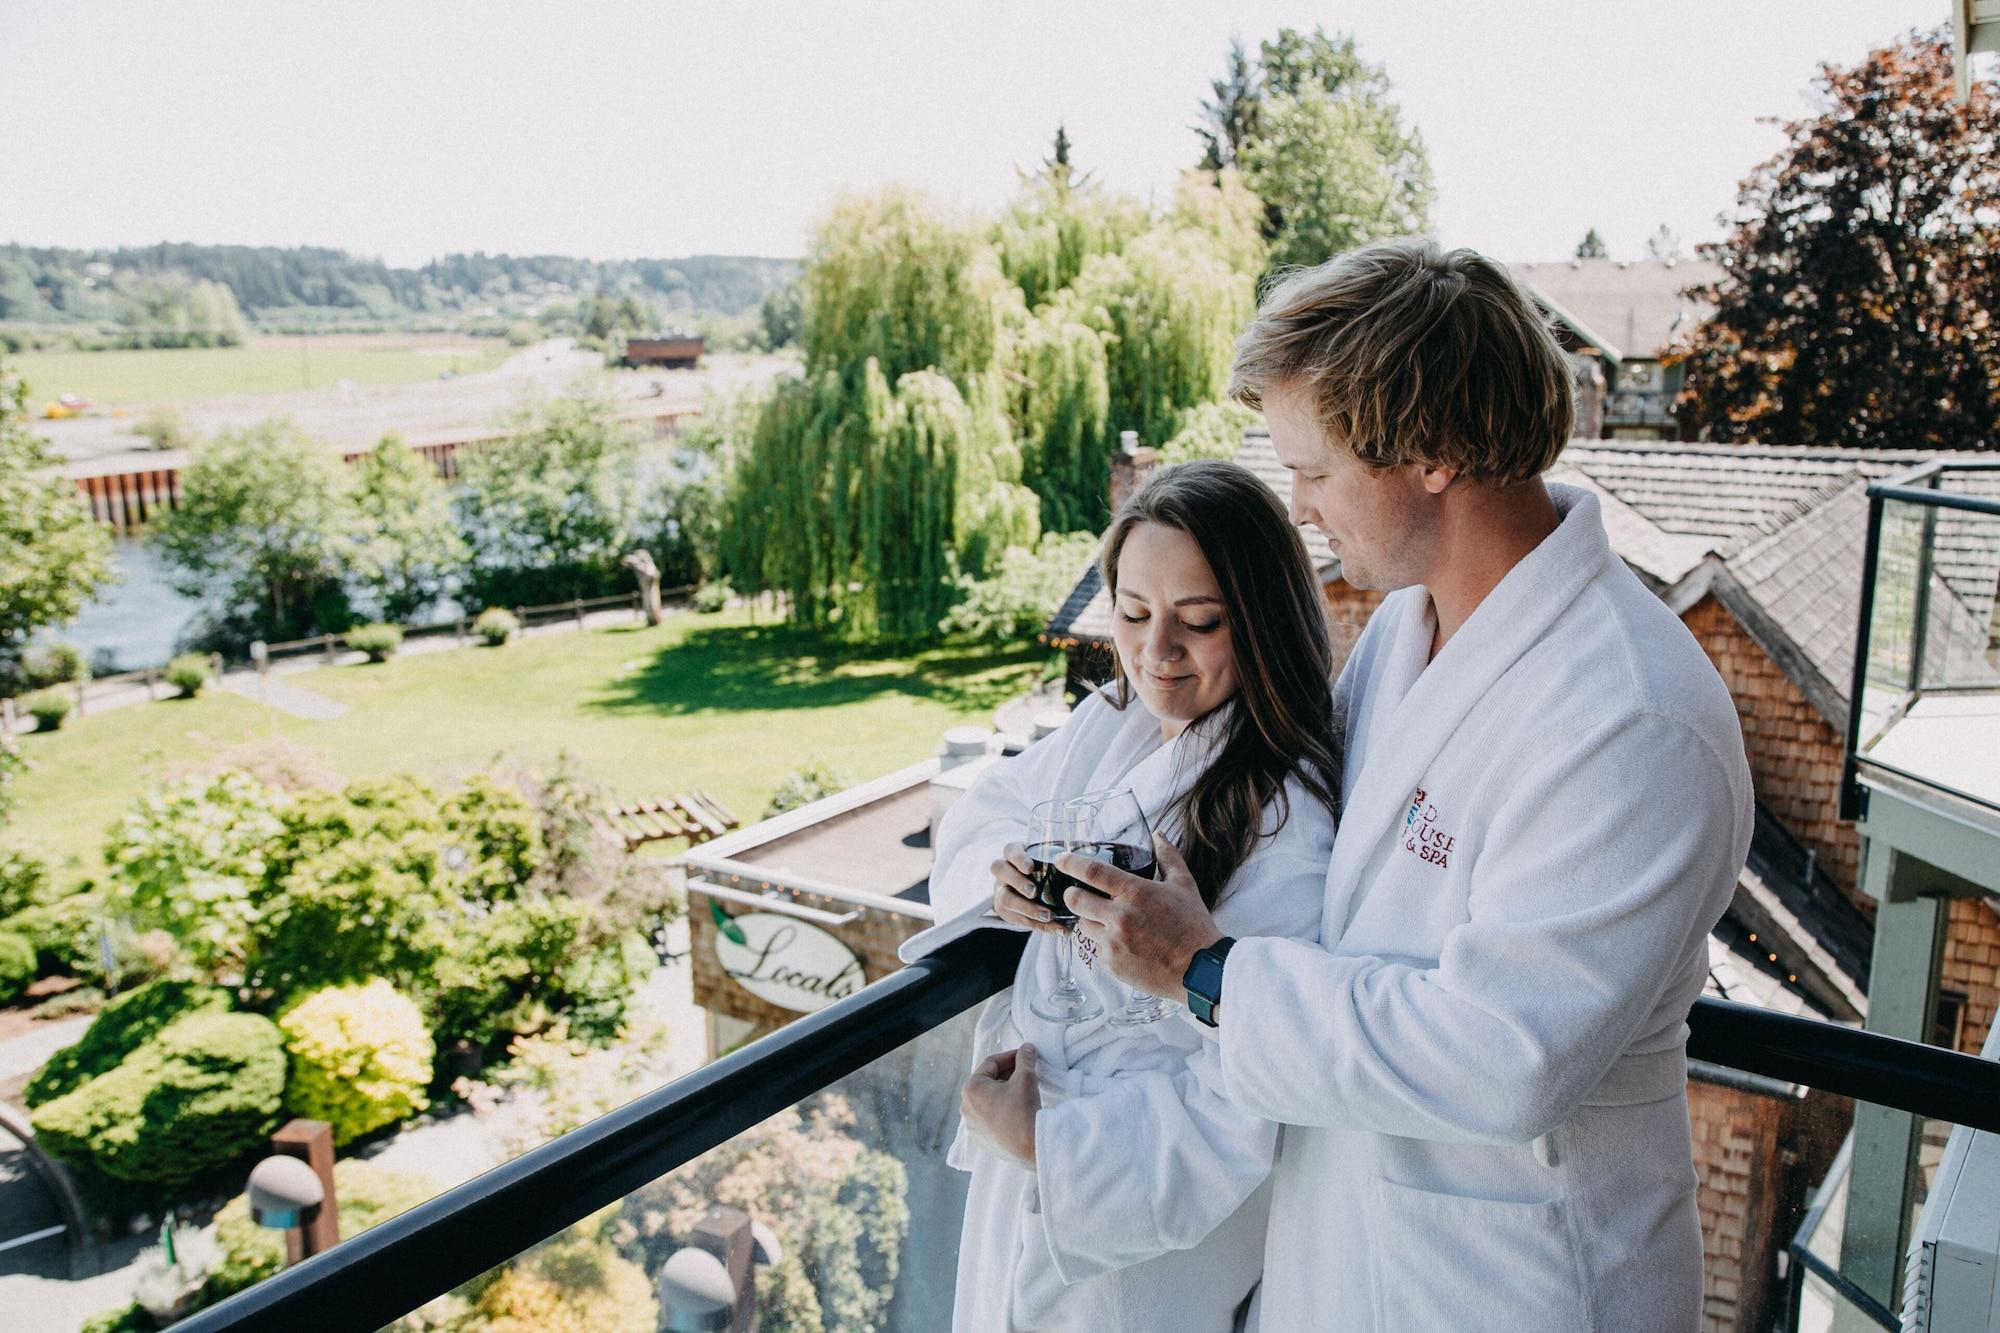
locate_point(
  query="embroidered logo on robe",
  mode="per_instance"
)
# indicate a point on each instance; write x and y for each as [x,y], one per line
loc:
[1422,838]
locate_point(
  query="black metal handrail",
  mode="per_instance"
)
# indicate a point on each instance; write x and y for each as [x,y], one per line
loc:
[410,1260]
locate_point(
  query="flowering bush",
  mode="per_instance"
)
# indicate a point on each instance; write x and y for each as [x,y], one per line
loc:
[361,1058]
[191,860]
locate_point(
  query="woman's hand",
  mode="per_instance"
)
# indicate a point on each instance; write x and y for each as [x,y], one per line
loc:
[1014,893]
[1000,1100]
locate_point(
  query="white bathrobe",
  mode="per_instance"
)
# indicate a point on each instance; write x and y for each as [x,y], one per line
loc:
[1482,1077]
[1145,1208]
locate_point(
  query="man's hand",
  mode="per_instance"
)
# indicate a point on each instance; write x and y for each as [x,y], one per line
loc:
[1000,1100]
[1146,930]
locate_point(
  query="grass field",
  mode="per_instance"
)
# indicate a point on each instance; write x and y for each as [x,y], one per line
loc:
[267,365]
[712,702]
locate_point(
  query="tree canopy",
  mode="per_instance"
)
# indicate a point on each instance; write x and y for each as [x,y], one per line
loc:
[1860,297]
[1319,139]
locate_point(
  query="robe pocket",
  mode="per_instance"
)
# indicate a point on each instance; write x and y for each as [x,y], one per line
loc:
[1442,1261]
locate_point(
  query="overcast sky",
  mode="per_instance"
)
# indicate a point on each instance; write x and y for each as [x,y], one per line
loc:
[409,129]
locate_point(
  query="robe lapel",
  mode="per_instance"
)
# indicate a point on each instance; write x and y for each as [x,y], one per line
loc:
[1401,747]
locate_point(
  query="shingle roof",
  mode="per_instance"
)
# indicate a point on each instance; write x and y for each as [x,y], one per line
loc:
[1783,527]
[1085,614]
[1625,309]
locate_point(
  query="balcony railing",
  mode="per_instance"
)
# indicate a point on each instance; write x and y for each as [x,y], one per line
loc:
[1926,684]
[381,1275]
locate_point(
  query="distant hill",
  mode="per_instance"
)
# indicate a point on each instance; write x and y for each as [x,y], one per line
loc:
[50,285]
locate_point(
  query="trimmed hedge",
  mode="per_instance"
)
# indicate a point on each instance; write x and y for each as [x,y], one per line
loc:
[206,1089]
[126,1024]
[361,1058]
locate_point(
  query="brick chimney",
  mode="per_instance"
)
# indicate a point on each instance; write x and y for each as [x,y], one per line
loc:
[1129,465]
[1586,380]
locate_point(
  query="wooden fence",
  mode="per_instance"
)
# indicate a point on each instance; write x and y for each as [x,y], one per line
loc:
[126,500]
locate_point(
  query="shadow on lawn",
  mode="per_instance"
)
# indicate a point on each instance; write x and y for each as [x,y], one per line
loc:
[765,668]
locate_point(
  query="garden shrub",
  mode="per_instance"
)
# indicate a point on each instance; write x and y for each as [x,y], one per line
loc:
[24,881]
[369,1195]
[513,969]
[206,1089]
[342,916]
[499,835]
[188,673]
[125,1319]
[379,641]
[710,598]
[496,625]
[49,707]
[838,1206]
[126,1024]
[811,781]
[17,965]
[12,765]
[569,1286]
[360,1058]
[53,664]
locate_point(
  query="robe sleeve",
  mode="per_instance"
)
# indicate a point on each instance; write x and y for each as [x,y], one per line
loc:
[1157,1160]
[1607,863]
[992,813]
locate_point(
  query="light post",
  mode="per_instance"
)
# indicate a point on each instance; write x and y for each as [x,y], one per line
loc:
[292,1189]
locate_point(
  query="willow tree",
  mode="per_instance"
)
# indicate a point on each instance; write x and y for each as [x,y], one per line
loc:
[1169,308]
[1055,225]
[1061,409]
[890,279]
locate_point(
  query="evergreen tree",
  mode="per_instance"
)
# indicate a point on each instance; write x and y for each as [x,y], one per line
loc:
[1591,246]
[1230,121]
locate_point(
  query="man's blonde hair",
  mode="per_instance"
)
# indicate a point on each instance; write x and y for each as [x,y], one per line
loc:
[1413,354]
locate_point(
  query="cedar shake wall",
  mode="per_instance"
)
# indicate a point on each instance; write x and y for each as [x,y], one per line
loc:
[1972,967]
[1347,612]
[1795,757]
[1750,1197]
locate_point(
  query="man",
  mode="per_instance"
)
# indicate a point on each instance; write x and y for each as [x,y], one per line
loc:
[1481,1069]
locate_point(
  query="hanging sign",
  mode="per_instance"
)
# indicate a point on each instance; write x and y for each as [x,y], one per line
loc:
[787,962]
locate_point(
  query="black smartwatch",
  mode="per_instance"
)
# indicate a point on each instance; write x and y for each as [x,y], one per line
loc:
[1203,980]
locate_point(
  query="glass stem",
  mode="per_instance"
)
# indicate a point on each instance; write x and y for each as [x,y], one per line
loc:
[1069,957]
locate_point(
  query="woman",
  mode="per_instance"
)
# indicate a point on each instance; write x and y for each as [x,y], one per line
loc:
[1129,1194]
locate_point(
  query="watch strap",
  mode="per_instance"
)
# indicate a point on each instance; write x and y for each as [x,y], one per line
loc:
[1203,980]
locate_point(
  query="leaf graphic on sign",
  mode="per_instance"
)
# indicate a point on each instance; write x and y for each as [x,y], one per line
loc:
[725,924]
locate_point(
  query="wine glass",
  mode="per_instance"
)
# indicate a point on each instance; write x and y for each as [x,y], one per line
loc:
[1051,832]
[1111,826]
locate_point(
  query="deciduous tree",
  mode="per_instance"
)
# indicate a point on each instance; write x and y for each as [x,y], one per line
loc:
[1860,297]
[53,556]
[407,546]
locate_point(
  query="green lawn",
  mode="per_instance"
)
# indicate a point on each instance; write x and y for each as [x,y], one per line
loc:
[267,365]
[702,701]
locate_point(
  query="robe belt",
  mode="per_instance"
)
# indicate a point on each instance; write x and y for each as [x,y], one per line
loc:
[1635,1079]
[1632,1080]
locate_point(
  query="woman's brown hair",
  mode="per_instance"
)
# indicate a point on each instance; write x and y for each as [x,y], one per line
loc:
[1282,724]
